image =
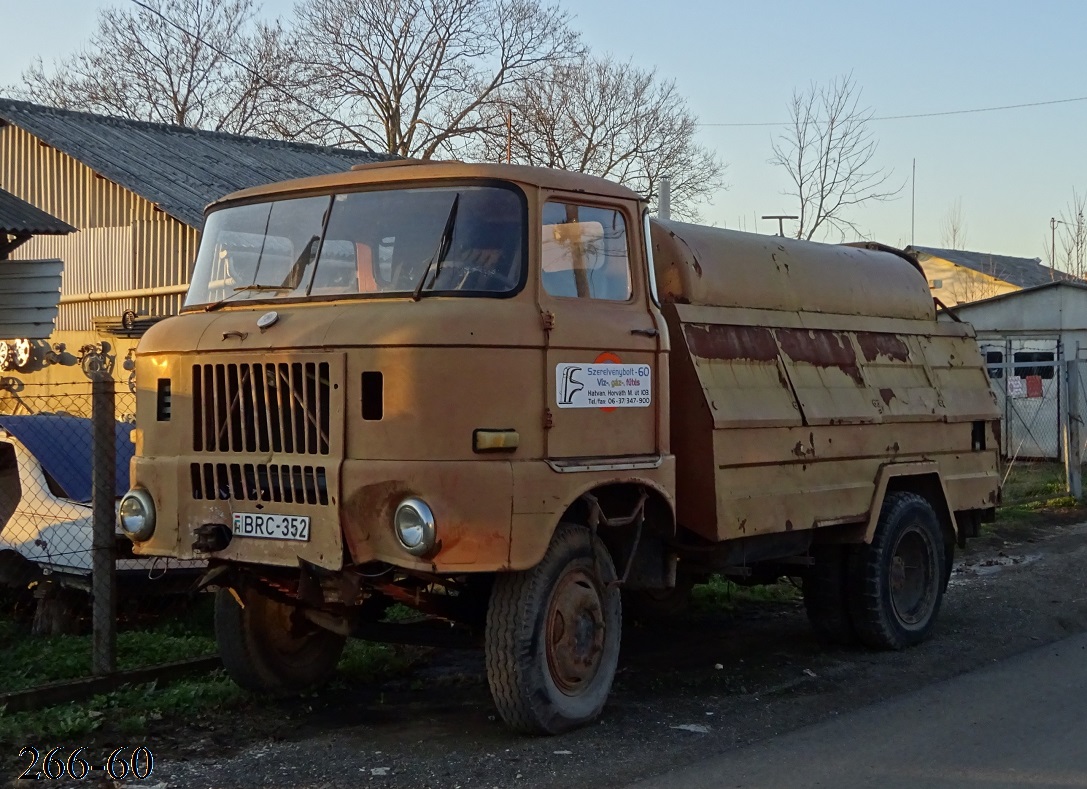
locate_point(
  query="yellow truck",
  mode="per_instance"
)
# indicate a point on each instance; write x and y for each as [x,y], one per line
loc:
[509,398]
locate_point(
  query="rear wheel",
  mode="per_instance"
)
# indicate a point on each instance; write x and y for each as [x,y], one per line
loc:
[268,646]
[826,595]
[552,639]
[896,584]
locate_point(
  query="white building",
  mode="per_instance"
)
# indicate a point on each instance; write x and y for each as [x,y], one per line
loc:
[1024,336]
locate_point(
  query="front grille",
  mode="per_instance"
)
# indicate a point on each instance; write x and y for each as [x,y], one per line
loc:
[261,407]
[259,482]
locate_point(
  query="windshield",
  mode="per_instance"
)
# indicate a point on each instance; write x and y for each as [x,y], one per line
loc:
[363,244]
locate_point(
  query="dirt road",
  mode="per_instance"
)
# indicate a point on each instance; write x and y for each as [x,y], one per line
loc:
[692,690]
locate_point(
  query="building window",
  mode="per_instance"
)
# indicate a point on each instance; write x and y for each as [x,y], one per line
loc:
[995,357]
[1040,370]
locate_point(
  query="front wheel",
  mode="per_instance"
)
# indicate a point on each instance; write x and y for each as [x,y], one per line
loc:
[552,639]
[268,646]
[897,582]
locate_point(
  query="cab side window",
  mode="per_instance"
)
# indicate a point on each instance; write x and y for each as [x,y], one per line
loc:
[584,252]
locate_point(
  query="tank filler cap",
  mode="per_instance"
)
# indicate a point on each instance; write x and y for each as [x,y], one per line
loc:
[267,320]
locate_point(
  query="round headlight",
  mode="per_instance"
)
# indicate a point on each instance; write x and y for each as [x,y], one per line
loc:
[414,525]
[136,514]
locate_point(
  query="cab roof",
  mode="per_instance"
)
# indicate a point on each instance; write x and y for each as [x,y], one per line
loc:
[397,171]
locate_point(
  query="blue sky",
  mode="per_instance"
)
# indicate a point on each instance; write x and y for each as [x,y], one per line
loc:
[739,63]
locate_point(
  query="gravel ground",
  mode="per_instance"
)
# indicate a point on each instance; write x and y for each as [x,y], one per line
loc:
[685,692]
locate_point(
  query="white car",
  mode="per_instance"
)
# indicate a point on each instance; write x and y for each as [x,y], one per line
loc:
[45,492]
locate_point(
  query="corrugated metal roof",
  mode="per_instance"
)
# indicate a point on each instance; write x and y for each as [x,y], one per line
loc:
[18,217]
[180,170]
[1021,272]
[29,295]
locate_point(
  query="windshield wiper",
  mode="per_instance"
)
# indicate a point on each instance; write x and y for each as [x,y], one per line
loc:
[242,289]
[444,243]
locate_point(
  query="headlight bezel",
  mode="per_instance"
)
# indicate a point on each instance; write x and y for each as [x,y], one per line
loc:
[414,513]
[143,498]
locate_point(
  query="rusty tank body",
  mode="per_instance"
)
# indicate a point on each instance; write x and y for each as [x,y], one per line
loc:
[510,398]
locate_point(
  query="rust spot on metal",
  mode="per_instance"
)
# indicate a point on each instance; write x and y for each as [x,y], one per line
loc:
[728,343]
[743,525]
[821,348]
[366,504]
[808,451]
[874,345]
[893,448]
[788,525]
[888,395]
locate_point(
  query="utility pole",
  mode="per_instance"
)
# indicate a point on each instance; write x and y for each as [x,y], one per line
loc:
[509,136]
[913,201]
[1053,222]
[780,218]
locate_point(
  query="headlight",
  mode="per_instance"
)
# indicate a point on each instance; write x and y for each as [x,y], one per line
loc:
[414,524]
[137,515]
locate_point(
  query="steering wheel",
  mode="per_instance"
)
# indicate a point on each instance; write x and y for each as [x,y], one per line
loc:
[481,279]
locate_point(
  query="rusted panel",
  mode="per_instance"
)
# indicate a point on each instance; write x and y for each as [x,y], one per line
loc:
[741,376]
[727,343]
[874,345]
[887,395]
[821,348]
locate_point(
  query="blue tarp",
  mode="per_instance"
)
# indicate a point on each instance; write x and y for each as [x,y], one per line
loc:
[64,445]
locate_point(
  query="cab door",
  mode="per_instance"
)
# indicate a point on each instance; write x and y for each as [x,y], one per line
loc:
[603,340]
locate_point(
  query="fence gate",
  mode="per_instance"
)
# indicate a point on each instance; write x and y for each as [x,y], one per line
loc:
[1026,377]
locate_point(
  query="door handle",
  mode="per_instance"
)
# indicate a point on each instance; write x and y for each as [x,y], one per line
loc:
[645,332]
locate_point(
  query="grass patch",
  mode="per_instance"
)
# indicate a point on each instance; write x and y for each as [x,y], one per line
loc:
[1034,497]
[1033,480]
[129,710]
[369,661]
[29,661]
[134,710]
[719,594]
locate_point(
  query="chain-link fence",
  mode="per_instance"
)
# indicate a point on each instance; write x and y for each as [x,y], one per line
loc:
[73,597]
[1041,403]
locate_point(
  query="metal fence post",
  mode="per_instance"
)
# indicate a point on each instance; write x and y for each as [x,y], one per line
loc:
[1073,446]
[104,473]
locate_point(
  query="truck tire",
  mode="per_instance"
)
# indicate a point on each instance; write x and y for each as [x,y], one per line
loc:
[896,584]
[552,638]
[269,647]
[826,595]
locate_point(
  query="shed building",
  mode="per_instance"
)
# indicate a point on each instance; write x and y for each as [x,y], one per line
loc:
[1024,336]
[134,193]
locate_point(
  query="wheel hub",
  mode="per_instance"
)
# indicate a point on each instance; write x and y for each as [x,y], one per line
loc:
[911,578]
[575,632]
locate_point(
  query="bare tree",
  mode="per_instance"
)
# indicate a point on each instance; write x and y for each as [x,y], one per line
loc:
[610,119]
[954,227]
[1072,237]
[829,154]
[199,63]
[415,77]
[967,285]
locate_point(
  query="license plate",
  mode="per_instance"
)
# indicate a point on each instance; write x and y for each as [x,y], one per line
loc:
[271,527]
